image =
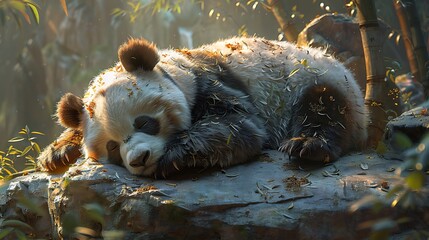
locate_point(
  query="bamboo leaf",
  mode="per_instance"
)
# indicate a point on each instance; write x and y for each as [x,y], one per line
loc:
[95,211]
[415,180]
[118,12]
[381,148]
[293,72]
[31,204]
[7,171]
[36,147]
[397,39]
[402,140]
[6,160]
[35,12]
[16,139]
[17,224]
[20,235]
[350,4]
[25,151]
[31,161]
[4,232]
[13,151]
[17,5]
[384,224]
[364,166]
[64,6]
[255,5]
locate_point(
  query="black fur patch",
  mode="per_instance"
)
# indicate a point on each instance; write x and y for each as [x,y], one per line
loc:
[318,125]
[213,141]
[69,111]
[210,66]
[138,53]
[113,153]
[225,130]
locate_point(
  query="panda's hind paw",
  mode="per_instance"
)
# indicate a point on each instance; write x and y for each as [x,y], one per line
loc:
[310,148]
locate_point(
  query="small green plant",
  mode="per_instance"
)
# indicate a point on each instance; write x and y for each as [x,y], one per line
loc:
[16,8]
[408,194]
[30,150]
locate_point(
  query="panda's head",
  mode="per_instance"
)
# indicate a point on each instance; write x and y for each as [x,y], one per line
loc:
[129,111]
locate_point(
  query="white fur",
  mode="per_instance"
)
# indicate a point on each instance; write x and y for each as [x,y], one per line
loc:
[263,66]
[127,96]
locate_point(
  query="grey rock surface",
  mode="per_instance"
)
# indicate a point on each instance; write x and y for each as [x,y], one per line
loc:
[413,123]
[271,198]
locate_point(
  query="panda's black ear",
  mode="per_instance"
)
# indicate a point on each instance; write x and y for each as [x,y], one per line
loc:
[138,53]
[69,111]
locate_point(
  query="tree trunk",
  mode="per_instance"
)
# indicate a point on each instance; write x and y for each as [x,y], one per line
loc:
[287,27]
[417,41]
[405,30]
[377,98]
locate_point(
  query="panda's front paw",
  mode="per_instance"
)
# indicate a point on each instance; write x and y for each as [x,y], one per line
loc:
[171,162]
[59,155]
[310,148]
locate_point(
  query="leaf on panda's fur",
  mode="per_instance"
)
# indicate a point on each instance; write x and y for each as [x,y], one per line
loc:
[229,139]
[293,72]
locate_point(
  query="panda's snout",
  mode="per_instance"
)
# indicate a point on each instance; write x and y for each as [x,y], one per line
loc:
[140,161]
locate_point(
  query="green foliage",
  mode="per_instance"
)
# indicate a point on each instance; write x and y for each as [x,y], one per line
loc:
[95,212]
[136,8]
[30,151]
[15,229]
[17,8]
[79,224]
[408,194]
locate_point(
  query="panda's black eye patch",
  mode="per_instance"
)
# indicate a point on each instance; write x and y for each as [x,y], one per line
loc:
[146,124]
[113,153]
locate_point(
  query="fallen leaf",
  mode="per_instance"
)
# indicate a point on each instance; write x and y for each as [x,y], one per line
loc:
[364,166]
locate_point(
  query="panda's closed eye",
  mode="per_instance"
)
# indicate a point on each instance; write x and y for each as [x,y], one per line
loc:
[146,124]
[113,153]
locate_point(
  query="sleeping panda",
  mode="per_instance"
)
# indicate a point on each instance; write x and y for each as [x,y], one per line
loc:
[159,112]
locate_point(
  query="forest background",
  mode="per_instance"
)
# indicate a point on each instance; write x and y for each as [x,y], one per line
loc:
[58,49]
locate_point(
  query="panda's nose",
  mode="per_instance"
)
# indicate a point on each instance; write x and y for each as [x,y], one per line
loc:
[140,160]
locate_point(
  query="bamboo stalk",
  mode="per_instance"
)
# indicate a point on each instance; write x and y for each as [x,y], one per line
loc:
[418,43]
[287,27]
[405,30]
[378,102]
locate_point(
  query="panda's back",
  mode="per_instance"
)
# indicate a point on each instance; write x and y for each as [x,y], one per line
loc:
[276,73]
